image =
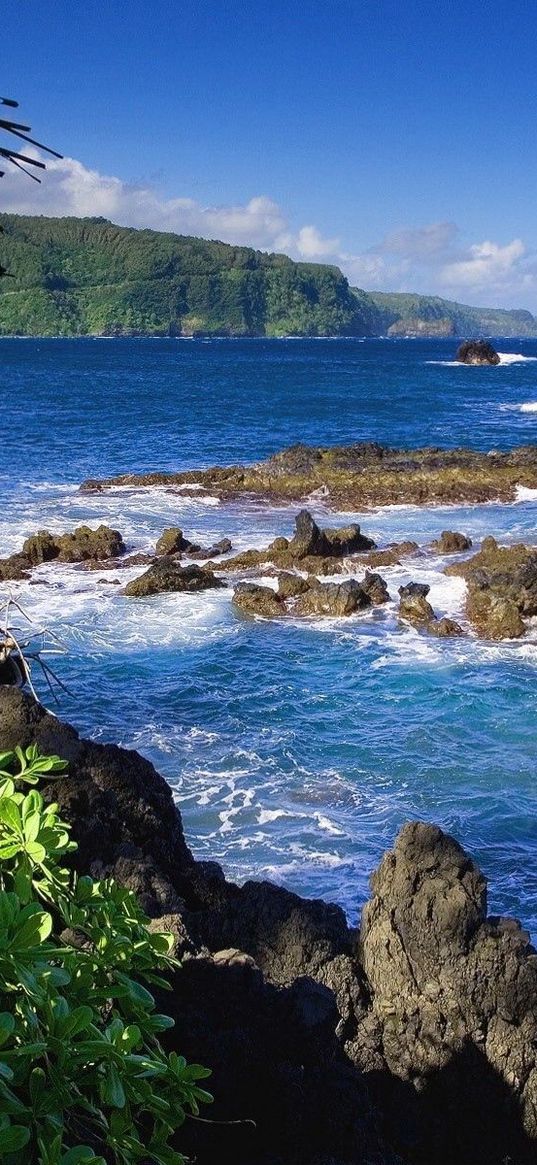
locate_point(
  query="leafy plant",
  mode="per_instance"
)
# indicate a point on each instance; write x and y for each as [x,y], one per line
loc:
[83,1077]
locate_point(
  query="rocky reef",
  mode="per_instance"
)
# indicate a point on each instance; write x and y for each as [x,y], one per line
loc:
[412,1041]
[477,352]
[502,588]
[355,477]
[80,545]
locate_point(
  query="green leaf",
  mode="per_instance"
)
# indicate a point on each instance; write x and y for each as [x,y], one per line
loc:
[7,1026]
[13,1138]
[36,929]
[113,1091]
[10,815]
[81,1155]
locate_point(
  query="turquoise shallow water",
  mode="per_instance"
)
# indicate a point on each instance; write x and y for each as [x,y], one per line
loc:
[296,750]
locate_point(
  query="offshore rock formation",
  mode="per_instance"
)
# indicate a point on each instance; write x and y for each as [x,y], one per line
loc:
[355,477]
[477,352]
[81,545]
[166,575]
[502,588]
[307,596]
[415,608]
[411,1042]
[319,551]
[173,541]
[451,542]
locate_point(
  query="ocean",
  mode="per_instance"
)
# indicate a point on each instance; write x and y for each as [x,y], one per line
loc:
[295,750]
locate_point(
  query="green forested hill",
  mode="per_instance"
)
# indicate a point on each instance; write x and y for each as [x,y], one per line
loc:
[86,276]
[405,314]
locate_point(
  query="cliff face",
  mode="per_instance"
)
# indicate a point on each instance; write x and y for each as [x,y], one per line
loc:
[413,1041]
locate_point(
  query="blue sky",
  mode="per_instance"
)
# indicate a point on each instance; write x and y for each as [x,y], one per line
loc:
[397,139]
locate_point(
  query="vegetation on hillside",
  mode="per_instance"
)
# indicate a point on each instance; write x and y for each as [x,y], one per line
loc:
[88,277]
[404,313]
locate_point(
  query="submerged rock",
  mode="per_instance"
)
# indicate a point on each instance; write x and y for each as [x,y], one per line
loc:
[477,352]
[451,542]
[165,575]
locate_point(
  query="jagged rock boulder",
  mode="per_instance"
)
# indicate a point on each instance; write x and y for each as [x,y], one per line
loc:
[502,588]
[252,599]
[477,352]
[414,606]
[375,588]
[85,543]
[455,998]
[444,628]
[165,575]
[333,599]
[40,547]
[292,585]
[215,551]
[492,616]
[309,540]
[171,541]
[17,566]
[391,555]
[451,542]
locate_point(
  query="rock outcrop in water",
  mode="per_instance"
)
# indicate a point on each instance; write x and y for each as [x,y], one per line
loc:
[300,596]
[502,588]
[355,477]
[173,541]
[165,575]
[319,551]
[81,545]
[477,352]
[413,1041]
[415,608]
[451,542]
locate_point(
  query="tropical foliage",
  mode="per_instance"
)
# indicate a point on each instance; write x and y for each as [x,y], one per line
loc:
[83,1077]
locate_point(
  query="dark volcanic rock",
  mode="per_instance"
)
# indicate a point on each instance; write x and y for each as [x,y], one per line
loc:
[15,567]
[455,996]
[375,588]
[252,599]
[333,599]
[84,543]
[444,628]
[165,575]
[41,547]
[413,605]
[477,352]
[451,542]
[171,541]
[502,588]
[292,585]
[426,1027]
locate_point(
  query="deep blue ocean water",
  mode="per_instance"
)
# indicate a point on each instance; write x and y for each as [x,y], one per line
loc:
[296,750]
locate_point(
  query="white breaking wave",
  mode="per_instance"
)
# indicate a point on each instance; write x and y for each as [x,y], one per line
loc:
[515,358]
[524,493]
[505,358]
[529,406]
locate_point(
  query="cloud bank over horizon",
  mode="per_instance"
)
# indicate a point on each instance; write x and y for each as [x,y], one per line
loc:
[431,259]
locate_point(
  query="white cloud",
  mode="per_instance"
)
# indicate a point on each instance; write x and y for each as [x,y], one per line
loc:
[487,264]
[428,259]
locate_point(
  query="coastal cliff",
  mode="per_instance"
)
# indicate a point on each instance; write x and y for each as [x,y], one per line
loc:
[410,1041]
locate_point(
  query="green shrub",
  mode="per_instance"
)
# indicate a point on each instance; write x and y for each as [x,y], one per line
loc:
[83,1077]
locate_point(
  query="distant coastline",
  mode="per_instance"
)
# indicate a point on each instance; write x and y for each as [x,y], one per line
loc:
[86,277]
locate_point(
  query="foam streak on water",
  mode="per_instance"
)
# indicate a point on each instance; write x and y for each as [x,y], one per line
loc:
[295,749]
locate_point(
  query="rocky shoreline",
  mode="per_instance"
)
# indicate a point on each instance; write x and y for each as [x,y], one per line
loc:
[357,477]
[412,1041]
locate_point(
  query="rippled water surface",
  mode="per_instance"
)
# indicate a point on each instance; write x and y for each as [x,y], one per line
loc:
[296,749]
